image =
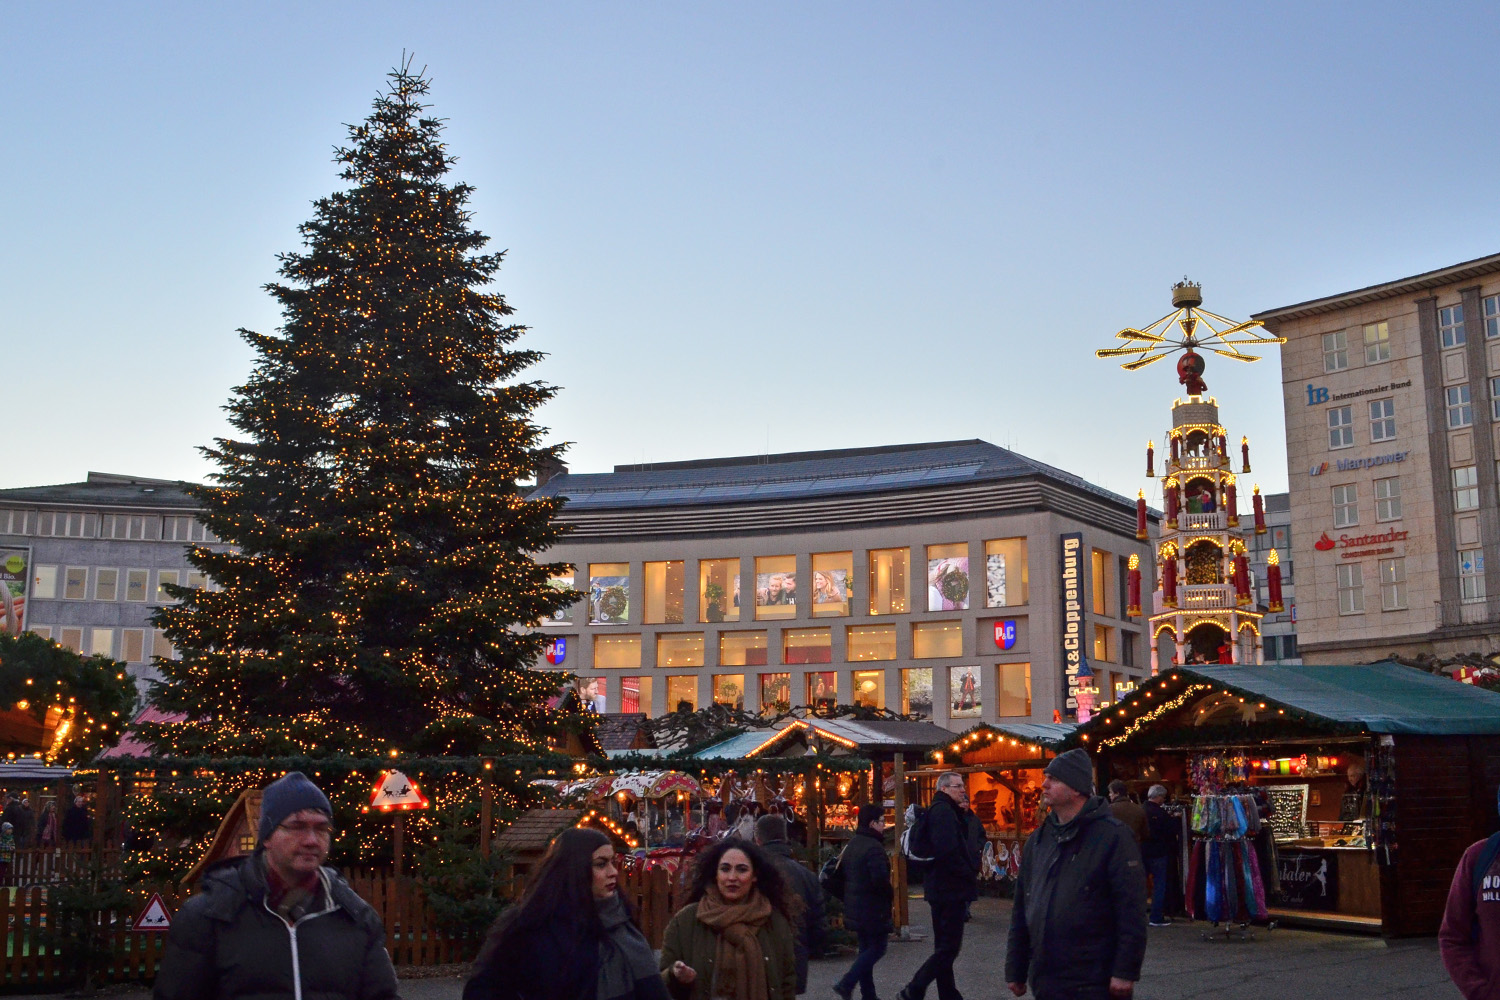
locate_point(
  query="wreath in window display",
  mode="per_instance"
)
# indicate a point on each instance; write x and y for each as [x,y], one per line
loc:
[954,585]
[613,602]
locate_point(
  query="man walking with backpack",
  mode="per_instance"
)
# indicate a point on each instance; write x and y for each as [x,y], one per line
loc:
[1470,937]
[947,835]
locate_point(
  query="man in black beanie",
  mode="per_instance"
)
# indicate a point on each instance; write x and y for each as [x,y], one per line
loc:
[867,900]
[277,922]
[1078,926]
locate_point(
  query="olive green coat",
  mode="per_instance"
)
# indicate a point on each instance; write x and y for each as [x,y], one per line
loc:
[695,943]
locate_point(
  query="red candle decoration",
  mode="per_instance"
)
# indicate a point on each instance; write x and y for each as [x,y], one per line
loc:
[1133,586]
[1150,459]
[1176,446]
[1223,449]
[1273,582]
[1260,512]
[1173,493]
[1245,454]
[1169,577]
[1140,515]
[1241,580]
[1231,503]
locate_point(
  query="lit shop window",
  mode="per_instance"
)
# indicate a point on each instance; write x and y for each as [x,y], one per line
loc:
[1102,638]
[609,593]
[1014,690]
[106,584]
[948,577]
[822,689]
[1005,575]
[775,693]
[679,649]
[1335,351]
[1382,419]
[1341,427]
[916,691]
[1377,343]
[1451,326]
[871,642]
[833,573]
[719,590]
[1100,582]
[663,582]
[1351,588]
[682,693]
[1392,584]
[635,694]
[806,645]
[1470,575]
[742,649]
[1466,487]
[729,691]
[775,587]
[888,581]
[869,688]
[964,701]
[561,582]
[935,639]
[1460,406]
[611,651]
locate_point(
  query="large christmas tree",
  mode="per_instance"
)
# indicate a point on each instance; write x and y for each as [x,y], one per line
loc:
[383,578]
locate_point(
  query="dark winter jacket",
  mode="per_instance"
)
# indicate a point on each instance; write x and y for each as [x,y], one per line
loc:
[77,825]
[801,880]
[687,939]
[867,883]
[1080,910]
[1164,828]
[226,943]
[957,840]
[559,963]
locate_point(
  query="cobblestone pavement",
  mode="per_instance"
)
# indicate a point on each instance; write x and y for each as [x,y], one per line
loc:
[1180,965]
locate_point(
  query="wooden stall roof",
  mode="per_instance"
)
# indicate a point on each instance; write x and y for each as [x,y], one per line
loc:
[623,731]
[534,830]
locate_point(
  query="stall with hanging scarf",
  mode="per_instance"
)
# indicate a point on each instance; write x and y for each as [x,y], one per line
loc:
[1333,795]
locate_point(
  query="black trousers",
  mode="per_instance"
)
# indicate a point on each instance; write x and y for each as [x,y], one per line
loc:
[947,942]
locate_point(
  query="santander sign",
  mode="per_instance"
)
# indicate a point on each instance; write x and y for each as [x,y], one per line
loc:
[1355,546]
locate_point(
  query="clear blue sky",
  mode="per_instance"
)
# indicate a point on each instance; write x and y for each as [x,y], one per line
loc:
[739,227]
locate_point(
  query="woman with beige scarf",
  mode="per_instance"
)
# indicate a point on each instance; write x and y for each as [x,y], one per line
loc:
[735,940]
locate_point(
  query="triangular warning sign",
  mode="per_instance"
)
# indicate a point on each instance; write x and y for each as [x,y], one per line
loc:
[154,917]
[396,791]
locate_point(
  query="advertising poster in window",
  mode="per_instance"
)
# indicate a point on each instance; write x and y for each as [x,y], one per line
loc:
[830,586]
[609,600]
[916,691]
[773,589]
[561,616]
[822,689]
[15,571]
[948,584]
[994,580]
[593,693]
[775,693]
[635,694]
[963,692]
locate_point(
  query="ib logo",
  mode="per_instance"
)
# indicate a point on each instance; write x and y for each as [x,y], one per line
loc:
[1316,394]
[1005,633]
[557,651]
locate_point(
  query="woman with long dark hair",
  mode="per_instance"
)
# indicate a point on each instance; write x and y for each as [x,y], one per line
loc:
[735,940]
[570,937]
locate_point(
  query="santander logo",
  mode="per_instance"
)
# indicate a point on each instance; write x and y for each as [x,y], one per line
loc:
[1324,544]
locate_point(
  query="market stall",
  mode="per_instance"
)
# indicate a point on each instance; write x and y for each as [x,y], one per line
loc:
[1340,795]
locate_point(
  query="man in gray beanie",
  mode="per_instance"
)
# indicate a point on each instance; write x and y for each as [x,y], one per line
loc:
[1078,926]
[277,922]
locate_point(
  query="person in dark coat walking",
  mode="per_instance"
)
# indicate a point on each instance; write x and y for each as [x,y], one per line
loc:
[77,826]
[770,836]
[1078,924]
[867,901]
[276,923]
[951,883]
[1158,851]
[571,936]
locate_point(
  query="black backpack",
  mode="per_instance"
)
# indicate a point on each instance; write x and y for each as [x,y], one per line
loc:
[916,839]
[831,878]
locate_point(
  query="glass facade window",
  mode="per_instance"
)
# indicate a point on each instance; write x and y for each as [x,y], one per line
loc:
[1388,499]
[806,645]
[719,590]
[1335,351]
[1466,487]
[775,693]
[1491,305]
[965,696]
[1351,581]
[1377,343]
[106,584]
[163,578]
[135,584]
[76,583]
[1013,690]
[561,581]
[663,583]
[742,649]
[1102,649]
[916,691]
[44,583]
[1392,584]
[948,577]
[1345,506]
[1460,406]
[729,691]
[870,642]
[609,593]
[679,649]
[635,694]
[833,577]
[822,689]
[617,651]
[869,688]
[930,640]
[888,581]
[775,587]
[1005,573]
[682,693]
[1099,582]
[1471,575]
[1382,419]
[1341,427]
[1451,326]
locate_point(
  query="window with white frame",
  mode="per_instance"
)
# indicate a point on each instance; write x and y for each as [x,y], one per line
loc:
[133,645]
[160,646]
[44,523]
[44,583]
[1451,326]
[45,631]
[1471,575]
[102,640]
[1491,305]
[1392,584]
[163,578]
[70,638]
[1377,343]
[1460,406]
[106,584]
[1345,506]
[1382,419]
[1351,589]
[135,584]
[1335,351]
[1466,487]
[1341,427]
[129,526]
[76,583]
[185,529]
[1495,399]
[1388,499]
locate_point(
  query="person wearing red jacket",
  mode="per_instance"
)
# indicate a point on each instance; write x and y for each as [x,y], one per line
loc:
[1470,936]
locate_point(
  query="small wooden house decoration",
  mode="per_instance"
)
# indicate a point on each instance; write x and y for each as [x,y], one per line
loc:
[236,836]
[526,840]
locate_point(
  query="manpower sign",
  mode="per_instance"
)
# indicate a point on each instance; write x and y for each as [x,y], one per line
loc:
[1355,464]
[1072,618]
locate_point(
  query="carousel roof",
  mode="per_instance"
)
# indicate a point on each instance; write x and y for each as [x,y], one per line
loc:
[889,735]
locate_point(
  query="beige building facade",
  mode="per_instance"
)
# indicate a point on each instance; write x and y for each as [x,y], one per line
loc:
[1392,398]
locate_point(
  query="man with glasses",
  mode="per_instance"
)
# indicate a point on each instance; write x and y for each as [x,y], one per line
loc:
[955,839]
[277,922]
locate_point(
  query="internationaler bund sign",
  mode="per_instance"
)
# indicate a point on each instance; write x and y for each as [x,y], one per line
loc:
[1072,618]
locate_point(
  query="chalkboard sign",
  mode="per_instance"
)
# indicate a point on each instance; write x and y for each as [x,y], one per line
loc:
[1288,818]
[1309,881]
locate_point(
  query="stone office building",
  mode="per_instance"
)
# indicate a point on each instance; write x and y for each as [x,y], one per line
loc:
[916,578]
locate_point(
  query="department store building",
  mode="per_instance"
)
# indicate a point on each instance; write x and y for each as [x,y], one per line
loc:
[920,578]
